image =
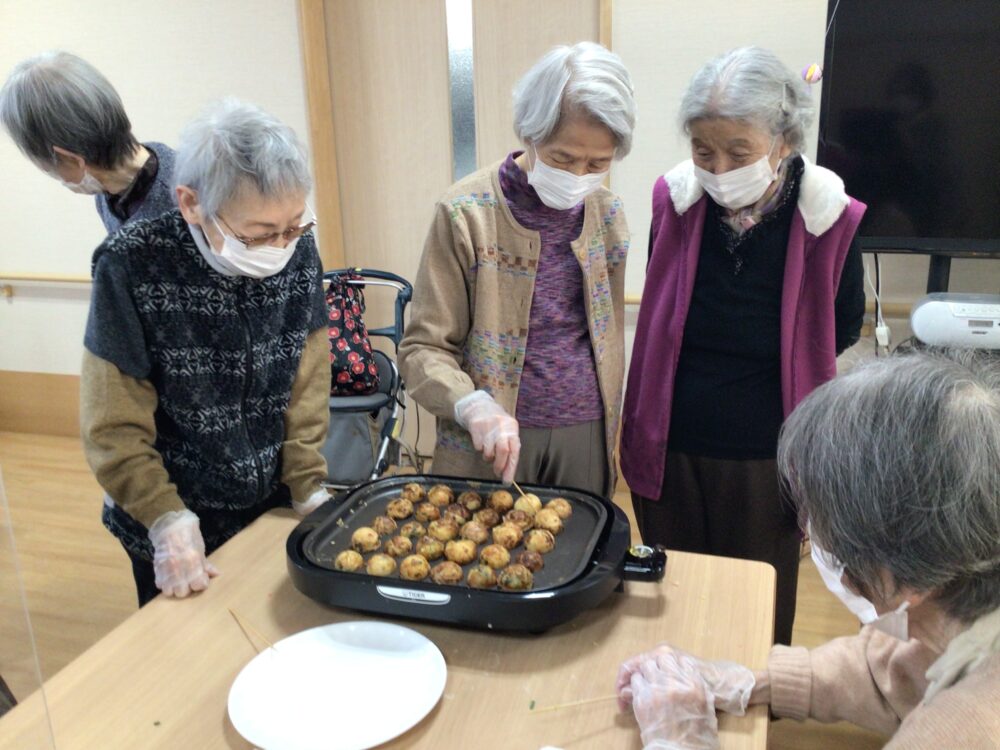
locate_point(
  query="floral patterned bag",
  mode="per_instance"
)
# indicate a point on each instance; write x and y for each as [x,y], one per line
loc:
[352,362]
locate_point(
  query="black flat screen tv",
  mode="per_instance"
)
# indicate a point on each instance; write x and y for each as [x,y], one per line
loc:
[910,119]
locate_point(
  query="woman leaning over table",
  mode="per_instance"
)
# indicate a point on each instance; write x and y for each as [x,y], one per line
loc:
[753,287]
[206,366]
[515,342]
[893,467]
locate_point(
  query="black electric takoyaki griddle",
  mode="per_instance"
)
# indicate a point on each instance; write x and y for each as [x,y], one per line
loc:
[591,559]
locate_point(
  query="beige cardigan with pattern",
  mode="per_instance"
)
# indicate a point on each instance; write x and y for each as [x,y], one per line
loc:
[472,302]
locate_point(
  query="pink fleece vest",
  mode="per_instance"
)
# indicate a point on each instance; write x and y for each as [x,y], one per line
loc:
[808,347]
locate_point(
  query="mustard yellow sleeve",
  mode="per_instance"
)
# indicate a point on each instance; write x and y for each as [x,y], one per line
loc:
[431,353]
[119,434]
[307,419]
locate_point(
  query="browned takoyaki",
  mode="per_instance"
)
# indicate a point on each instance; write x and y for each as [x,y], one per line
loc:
[549,520]
[471,500]
[519,518]
[365,539]
[508,535]
[475,532]
[349,561]
[399,508]
[488,517]
[383,525]
[529,503]
[539,540]
[501,501]
[482,577]
[414,568]
[533,561]
[561,506]
[413,492]
[412,530]
[515,578]
[445,529]
[381,565]
[495,556]
[461,551]
[399,546]
[446,572]
[430,547]
[458,513]
[440,495]
[426,512]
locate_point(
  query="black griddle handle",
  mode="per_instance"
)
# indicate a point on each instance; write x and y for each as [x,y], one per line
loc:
[645,563]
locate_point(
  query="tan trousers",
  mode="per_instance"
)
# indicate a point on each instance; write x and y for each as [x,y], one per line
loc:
[572,456]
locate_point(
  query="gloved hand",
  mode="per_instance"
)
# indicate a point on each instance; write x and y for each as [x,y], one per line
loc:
[730,683]
[179,554]
[311,503]
[494,432]
[673,706]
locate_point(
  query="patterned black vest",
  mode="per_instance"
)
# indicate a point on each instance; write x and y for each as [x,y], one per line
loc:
[222,353]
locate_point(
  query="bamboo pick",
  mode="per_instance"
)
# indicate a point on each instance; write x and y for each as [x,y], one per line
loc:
[574,703]
[518,488]
[244,625]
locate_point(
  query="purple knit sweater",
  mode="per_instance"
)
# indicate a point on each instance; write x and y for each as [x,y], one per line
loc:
[559,381]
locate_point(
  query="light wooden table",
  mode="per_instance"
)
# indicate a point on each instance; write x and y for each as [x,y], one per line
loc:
[161,679]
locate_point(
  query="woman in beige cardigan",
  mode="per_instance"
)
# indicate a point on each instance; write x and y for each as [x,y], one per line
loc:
[515,341]
[895,469]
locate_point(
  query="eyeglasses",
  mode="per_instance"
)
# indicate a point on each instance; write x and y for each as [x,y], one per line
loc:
[268,239]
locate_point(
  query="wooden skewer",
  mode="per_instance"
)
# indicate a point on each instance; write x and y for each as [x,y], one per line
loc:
[574,703]
[244,625]
[518,488]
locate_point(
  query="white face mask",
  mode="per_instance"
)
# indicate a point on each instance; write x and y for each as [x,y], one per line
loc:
[89,185]
[741,187]
[560,189]
[257,263]
[831,570]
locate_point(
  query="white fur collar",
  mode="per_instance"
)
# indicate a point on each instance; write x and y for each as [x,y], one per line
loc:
[822,198]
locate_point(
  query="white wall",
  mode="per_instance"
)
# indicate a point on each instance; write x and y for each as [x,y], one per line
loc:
[167,60]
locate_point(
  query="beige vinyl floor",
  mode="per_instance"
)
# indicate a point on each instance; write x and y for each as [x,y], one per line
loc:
[78,584]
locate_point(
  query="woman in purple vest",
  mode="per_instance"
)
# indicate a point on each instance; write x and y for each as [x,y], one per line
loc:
[754,285]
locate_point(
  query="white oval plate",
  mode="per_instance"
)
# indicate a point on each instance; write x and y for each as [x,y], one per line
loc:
[346,686]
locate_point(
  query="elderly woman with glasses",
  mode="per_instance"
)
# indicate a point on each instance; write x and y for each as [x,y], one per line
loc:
[206,364]
[515,341]
[69,121]
[753,287]
[894,471]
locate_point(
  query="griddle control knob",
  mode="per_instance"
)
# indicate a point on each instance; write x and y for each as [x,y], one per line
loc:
[644,563]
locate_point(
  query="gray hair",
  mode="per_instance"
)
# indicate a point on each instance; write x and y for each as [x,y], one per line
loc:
[59,99]
[895,466]
[750,84]
[235,145]
[585,79]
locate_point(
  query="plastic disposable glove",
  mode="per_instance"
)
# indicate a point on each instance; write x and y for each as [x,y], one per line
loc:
[310,504]
[730,683]
[494,432]
[673,706]
[179,554]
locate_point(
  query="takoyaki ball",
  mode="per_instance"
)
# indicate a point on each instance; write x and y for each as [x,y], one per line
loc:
[501,501]
[519,518]
[414,568]
[533,561]
[426,512]
[430,547]
[365,539]
[482,577]
[549,520]
[412,530]
[399,546]
[413,491]
[445,529]
[495,556]
[476,532]
[440,495]
[381,565]
[446,572]
[508,535]
[471,500]
[399,508]
[458,513]
[540,540]
[349,561]
[561,506]
[515,578]
[529,503]
[487,517]
[461,551]
[384,525]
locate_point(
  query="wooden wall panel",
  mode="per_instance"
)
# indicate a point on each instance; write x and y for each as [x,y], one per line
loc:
[508,38]
[40,402]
